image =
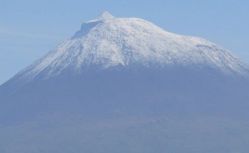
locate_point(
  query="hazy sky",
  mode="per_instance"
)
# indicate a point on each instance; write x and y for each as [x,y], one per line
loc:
[30,28]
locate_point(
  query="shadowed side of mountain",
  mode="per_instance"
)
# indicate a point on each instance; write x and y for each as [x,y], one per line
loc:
[143,91]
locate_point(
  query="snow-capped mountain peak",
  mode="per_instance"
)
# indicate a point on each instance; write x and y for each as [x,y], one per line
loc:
[109,41]
[105,16]
[126,85]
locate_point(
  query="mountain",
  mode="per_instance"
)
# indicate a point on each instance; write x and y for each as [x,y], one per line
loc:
[126,85]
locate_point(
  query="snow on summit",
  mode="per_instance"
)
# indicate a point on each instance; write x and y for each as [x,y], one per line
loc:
[109,41]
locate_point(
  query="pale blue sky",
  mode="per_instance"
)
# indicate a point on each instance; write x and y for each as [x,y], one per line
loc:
[30,28]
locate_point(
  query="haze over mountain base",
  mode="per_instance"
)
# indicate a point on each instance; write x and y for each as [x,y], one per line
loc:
[128,111]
